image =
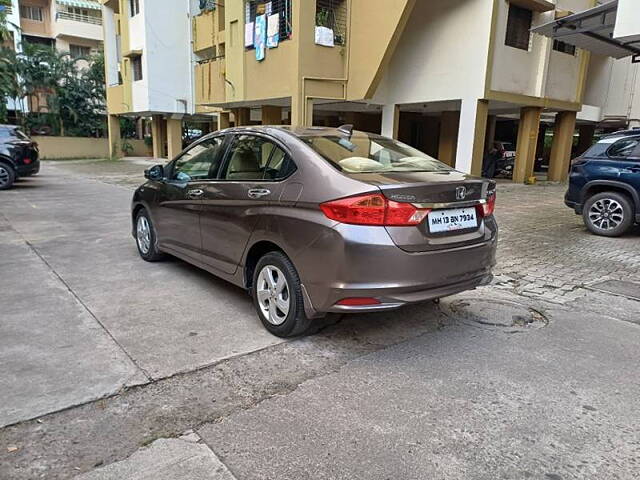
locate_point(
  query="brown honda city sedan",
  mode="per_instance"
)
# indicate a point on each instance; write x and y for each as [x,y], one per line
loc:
[319,220]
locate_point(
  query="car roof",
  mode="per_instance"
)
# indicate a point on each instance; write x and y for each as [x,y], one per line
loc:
[297,131]
[623,133]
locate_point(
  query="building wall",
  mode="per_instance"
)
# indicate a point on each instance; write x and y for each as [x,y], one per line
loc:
[167,33]
[40,29]
[434,60]
[539,71]
[52,148]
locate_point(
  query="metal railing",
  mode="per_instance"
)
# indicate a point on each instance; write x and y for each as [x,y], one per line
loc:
[79,18]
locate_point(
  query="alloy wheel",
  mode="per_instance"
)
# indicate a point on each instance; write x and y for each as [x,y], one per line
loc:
[143,234]
[273,295]
[4,176]
[606,214]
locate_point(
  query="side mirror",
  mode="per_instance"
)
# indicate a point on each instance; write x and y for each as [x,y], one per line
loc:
[154,173]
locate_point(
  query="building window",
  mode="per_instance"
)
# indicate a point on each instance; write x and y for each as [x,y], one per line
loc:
[332,14]
[31,13]
[559,46]
[78,11]
[518,27]
[134,7]
[79,51]
[253,8]
[136,66]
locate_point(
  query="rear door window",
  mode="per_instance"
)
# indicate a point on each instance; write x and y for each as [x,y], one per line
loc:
[252,157]
[624,148]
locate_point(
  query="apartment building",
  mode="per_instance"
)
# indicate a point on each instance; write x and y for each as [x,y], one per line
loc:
[447,76]
[73,26]
[149,68]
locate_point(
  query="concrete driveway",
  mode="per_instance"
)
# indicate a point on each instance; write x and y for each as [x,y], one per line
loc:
[83,316]
[532,377]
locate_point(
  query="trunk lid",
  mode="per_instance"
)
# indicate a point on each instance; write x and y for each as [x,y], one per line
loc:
[439,191]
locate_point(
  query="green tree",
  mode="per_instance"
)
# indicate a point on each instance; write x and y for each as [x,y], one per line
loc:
[73,89]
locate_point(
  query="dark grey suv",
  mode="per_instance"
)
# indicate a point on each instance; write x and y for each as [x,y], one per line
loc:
[319,220]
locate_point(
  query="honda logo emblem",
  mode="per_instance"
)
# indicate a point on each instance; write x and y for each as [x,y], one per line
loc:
[461,193]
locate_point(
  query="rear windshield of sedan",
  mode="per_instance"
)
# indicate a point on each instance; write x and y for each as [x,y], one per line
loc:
[372,154]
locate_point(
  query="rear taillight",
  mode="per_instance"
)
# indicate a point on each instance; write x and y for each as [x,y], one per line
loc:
[487,208]
[373,209]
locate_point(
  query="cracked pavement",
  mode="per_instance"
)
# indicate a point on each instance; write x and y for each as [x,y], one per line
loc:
[114,368]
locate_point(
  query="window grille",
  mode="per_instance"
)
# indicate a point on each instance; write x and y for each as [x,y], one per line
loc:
[136,65]
[560,46]
[333,14]
[31,13]
[79,51]
[207,5]
[518,27]
[283,7]
[134,7]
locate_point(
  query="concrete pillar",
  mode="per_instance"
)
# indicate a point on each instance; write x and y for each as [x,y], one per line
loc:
[115,141]
[157,136]
[490,137]
[271,115]
[242,116]
[471,136]
[561,147]
[174,137]
[224,120]
[585,138]
[390,120]
[447,144]
[301,111]
[528,131]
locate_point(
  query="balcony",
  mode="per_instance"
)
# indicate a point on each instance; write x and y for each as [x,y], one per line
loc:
[210,84]
[208,30]
[79,26]
[80,18]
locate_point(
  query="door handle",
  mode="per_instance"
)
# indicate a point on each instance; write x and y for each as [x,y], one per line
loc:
[195,193]
[258,192]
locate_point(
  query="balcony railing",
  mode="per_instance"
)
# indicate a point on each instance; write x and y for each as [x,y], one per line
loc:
[80,18]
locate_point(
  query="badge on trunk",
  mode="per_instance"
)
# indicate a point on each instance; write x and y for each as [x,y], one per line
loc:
[461,193]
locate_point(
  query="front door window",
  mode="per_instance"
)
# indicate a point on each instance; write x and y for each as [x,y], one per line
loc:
[200,162]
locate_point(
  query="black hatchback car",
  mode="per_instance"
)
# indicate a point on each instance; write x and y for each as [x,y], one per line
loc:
[18,155]
[604,184]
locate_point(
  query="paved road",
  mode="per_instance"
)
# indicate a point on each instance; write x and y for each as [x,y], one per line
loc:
[454,398]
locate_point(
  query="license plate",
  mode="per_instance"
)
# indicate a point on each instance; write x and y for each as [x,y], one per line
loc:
[452,219]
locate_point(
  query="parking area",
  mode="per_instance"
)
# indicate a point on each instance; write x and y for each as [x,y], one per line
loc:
[83,318]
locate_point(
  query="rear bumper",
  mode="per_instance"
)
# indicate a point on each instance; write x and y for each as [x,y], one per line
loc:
[390,300]
[363,262]
[572,204]
[26,170]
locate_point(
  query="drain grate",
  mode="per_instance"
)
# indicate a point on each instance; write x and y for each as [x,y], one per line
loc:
[501,315]
[619,287]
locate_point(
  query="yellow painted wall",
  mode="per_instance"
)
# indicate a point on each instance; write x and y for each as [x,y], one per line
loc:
[116,103]
[83,147]
[203,31]
[72,147]
[376,26]
[210,84]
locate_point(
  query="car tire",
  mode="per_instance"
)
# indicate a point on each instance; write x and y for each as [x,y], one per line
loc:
[609,214]
[7,176]
[146,239]
[276,283]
